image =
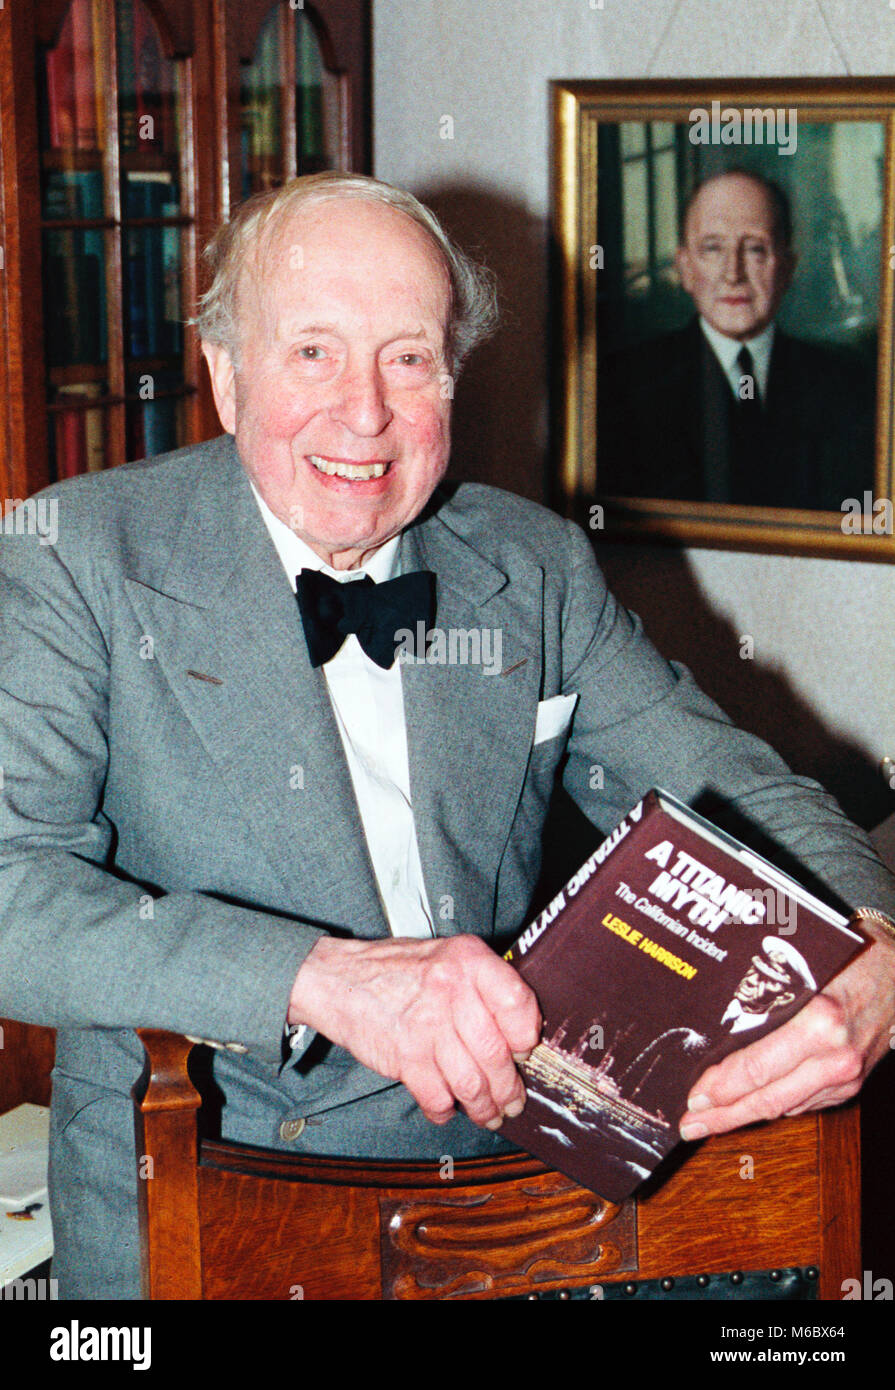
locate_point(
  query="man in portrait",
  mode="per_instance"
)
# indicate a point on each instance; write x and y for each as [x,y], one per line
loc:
[227,809]
[730,408]
[776,976]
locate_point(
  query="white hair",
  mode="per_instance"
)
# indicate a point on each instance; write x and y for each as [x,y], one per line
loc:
[473,311]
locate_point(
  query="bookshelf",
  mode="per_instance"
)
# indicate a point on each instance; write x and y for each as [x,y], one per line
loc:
[128,130]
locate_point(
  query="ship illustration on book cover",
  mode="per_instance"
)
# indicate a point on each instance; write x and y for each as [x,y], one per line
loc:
[672,946]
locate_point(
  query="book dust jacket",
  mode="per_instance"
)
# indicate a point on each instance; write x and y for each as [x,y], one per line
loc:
[672,946]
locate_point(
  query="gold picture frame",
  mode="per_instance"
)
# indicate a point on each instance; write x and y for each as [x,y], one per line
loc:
[622,166]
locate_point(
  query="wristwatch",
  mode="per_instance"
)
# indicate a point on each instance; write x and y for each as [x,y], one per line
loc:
[879,919]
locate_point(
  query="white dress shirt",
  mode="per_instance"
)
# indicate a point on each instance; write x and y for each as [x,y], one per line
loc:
[727,350]
[368,704]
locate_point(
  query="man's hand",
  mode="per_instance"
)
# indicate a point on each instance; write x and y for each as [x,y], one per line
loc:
[819,1058]
[445,1017]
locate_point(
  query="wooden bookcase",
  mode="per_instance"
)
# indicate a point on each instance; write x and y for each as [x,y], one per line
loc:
[128,131]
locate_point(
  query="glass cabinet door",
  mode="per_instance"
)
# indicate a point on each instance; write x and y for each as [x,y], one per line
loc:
[115,211]
[293,101]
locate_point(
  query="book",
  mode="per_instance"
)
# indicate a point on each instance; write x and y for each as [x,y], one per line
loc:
[94,428]
[153,268]
[161,415]
[149,65]
[60,71]
[85,85]
[672,946]
[71,434]
[73,194]
[74,294]
[72,88]
[127,76]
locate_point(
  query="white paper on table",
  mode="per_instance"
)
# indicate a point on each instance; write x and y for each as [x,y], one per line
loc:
[23,1174]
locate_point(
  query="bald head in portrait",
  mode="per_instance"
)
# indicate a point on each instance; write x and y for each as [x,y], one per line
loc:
[729,407]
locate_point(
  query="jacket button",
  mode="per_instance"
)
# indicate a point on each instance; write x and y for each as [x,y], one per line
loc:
[291,1129]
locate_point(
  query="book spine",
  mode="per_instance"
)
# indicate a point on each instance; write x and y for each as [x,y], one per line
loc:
[89,301]
[154,289]
[71,440]
[62,195]
[94,430]
[63,333]
[84,75]
[60,87]
[147,74]
[127,78]
[136,439]
[173,343]
[136,287]
[100,59]
[536,932]
[90,194]
[160,425]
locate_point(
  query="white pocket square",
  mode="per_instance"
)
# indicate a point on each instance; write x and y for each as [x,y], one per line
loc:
[554,716]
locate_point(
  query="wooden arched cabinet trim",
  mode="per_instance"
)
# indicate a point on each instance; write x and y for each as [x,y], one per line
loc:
[175,23]
[342,30]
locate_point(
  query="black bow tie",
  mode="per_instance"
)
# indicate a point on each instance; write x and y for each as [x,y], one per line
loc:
[376,613]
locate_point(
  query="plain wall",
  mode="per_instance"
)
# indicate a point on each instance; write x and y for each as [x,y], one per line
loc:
[820,685]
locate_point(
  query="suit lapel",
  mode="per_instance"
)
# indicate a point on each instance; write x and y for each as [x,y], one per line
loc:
[469,733]
[224,609]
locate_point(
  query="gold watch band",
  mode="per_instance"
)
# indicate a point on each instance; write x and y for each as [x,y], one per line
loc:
[879,919]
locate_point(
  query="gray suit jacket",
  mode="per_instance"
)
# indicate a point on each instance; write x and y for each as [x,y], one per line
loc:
[164,863]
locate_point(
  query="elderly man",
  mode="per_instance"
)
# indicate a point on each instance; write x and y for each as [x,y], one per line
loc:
[730,408]
[228,810]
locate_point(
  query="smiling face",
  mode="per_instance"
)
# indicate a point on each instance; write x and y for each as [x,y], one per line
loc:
[340,403]
[732,260]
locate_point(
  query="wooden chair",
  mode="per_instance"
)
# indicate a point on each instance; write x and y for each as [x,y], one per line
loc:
[225,1221]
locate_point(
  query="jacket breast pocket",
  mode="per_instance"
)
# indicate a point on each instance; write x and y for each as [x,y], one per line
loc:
[554,717]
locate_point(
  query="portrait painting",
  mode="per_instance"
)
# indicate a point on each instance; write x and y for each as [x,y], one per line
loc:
[729,363]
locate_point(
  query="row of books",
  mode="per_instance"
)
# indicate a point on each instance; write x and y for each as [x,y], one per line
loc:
[75,293]
[71,106]
[80,433]
[77,194]
[73,194]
